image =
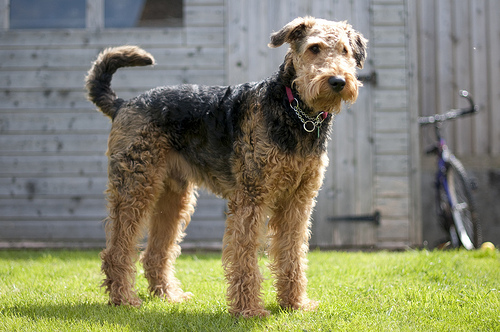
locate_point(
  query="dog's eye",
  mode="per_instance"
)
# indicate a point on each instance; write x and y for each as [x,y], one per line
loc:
[314,49]
[344,50]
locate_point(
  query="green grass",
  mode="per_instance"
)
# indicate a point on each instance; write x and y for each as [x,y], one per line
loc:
[383,291]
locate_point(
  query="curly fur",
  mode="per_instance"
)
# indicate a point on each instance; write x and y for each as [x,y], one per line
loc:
[244,143]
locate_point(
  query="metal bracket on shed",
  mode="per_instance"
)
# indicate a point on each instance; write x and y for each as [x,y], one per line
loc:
[370,77]
[375,218]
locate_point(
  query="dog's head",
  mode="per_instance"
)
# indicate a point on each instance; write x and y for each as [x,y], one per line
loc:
[324,56]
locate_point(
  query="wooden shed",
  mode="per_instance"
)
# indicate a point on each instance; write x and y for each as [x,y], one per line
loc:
[52,141]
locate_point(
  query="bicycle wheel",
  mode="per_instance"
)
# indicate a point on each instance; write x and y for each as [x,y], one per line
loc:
[443,210]
[463,207]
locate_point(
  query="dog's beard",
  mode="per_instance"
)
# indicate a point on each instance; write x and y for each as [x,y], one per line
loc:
[318,94]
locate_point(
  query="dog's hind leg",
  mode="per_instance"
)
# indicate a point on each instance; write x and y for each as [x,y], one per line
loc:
[171,216]
[136,178]
[128,216]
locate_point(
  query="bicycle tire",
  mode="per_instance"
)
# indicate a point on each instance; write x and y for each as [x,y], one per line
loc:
[464,211]
[443,210]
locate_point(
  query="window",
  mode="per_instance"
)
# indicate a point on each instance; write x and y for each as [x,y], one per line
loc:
[48,14]
[142,13]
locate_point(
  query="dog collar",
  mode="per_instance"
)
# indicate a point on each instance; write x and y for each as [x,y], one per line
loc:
[309,123]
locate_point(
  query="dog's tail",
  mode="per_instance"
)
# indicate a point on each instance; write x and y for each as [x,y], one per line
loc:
[98,81]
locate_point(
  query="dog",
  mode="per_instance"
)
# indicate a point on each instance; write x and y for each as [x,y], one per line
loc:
[262,146]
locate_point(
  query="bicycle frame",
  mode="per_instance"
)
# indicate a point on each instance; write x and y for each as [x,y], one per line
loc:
[444,157]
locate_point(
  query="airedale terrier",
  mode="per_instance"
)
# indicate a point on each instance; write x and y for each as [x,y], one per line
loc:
[262,146]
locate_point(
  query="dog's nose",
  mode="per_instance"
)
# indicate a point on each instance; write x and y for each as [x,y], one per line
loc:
[337,83]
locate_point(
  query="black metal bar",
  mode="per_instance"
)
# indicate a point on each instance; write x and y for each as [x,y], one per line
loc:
[375,218]
[370,77]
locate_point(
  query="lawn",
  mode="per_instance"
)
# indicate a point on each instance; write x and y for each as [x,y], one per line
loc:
[382,291]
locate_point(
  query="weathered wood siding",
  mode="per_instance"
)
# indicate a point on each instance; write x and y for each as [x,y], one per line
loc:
[52,163]
[396,132]
[373,164]
[52,141]
[459,48]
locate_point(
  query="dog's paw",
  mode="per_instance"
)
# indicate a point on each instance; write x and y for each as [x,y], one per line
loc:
[179,296]
[309,305]
[305,305]
[172,295]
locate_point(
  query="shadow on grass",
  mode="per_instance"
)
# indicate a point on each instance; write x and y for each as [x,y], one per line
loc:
[91,254]
[147,318]
[62,255]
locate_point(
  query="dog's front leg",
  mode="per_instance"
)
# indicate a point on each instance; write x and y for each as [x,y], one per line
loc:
[289,232]
[242,237]
[289,235]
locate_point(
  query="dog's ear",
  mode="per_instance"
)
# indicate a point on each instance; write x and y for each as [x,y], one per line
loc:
[358,45]
[292,32]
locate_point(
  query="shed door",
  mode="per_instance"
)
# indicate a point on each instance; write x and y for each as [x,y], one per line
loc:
[348,185]
[347,189]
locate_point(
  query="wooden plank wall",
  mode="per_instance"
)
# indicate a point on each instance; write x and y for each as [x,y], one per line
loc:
[52,141]
[52,164]
[371,161]
[459,48]
[396,185]
[348,182]
[348,185]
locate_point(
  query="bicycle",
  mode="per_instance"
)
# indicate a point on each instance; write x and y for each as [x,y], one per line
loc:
[455,204]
